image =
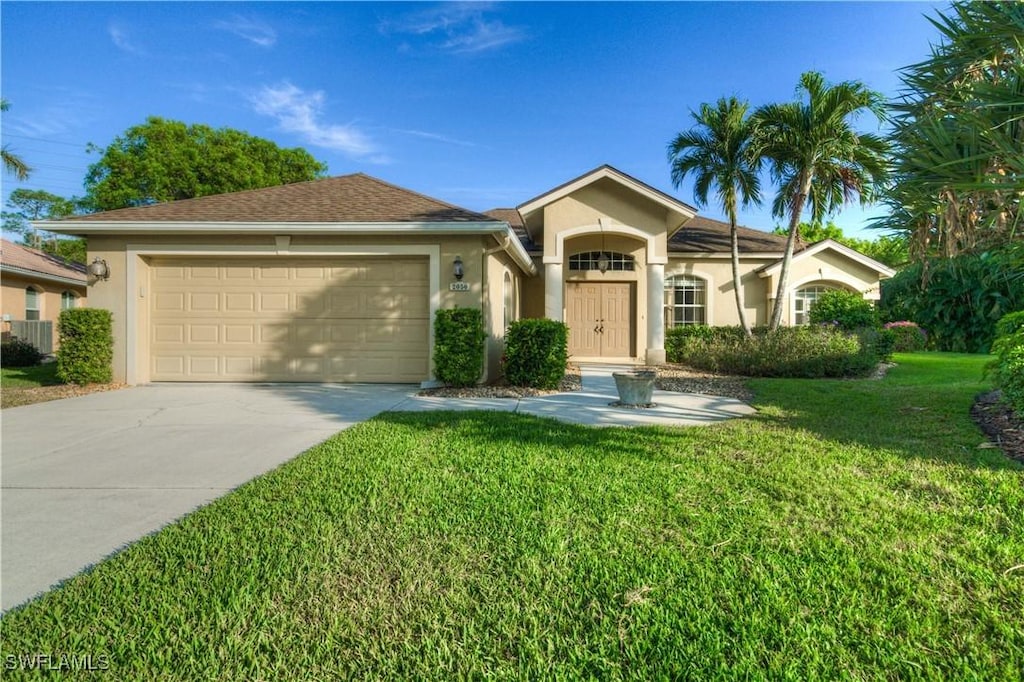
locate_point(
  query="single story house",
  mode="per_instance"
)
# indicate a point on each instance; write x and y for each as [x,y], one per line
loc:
[338,279]
[34,287]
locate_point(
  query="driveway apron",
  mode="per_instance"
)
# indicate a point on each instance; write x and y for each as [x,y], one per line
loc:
[85,476]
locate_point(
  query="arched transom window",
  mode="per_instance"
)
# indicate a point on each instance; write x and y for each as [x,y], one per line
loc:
[588,260]
[803,298]
[685,301]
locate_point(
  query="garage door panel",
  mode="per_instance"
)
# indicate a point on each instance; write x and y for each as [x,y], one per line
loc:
[289,320]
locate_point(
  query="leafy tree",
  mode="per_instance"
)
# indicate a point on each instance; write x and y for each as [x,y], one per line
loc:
[815,156]
[888,249]
[36,204]
[958,135]
[13,163]
[717,153]
[164,160]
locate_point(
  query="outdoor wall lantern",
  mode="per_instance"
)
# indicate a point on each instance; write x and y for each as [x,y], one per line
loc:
[457,270]
[98,268]
[603,262]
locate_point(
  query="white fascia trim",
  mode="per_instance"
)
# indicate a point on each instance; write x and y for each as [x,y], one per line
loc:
[23,272]
[559,256]
[237,227]
[872,293]
[599,174]
[135,251]
[114,227]
[857,256]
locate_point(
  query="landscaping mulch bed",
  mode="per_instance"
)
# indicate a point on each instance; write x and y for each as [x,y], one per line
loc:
[15,397]
[572,381]
[670,378]
[1001,424]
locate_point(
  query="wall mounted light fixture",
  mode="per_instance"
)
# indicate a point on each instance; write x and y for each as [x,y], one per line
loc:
[457,271]
[99,269]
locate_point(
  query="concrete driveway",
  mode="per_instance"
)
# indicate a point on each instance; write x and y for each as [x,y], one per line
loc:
[85,476]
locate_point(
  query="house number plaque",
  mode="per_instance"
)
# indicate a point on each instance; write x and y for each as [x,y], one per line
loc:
[458,286]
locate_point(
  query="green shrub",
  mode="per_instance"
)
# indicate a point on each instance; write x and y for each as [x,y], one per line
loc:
[1008,367]
[86,346]
[536,352]
[19,353]
[459,346]
[960,300]
[845,309]
[810,352]
[909,338]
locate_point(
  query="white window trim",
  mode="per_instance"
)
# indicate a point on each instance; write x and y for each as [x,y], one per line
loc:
[38,309]
[707,294]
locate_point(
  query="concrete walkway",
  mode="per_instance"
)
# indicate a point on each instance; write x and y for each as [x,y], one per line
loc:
[590,406]
[83,477]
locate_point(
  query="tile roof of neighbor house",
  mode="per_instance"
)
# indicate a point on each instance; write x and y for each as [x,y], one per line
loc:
[705,235]
[355,198]
[23,258]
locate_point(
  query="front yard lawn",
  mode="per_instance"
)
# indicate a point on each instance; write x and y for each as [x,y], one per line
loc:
[29,377]
[850,530]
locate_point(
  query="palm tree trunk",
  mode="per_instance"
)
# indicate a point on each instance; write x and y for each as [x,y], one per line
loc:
[794,228]
[736,277]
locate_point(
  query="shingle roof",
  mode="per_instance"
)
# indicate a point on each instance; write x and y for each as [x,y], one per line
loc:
[23,258]
[515,221]
[712,236]
[355,198]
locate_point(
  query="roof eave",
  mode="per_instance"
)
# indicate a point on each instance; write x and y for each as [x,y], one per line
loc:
[26,272]
[267,227]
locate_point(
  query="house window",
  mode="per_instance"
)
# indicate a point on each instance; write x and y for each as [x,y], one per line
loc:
[685,301]
[588,261]
[802,301]
[31,304]
[509,300]
[67,300]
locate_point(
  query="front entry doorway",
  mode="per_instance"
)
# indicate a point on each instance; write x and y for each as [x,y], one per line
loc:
[600,318]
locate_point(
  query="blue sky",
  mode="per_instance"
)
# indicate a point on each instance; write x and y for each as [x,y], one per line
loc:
[481,105]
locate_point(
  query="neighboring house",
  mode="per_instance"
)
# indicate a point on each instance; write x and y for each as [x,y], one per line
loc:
[36,286]
[339,279]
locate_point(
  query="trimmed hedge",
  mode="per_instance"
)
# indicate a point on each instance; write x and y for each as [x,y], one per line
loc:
[810,352]
[536,352]
[19,353]
[1008,367]
[845,309]
[459,338]
[86,348]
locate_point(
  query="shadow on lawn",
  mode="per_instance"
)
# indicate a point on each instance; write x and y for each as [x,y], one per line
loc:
[504,429]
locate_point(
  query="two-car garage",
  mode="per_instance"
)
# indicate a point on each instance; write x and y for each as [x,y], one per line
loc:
[289,319]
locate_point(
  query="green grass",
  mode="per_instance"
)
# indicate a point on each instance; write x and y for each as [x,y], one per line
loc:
[29,377]
[850,530]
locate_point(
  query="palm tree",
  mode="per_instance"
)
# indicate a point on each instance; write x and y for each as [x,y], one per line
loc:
[12,162]
[717,152]
[816,156]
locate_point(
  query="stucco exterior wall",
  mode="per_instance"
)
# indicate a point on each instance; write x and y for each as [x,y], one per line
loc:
[721,301]
[12,299]
[114,294]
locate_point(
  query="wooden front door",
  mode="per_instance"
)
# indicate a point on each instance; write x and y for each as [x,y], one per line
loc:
[600,319]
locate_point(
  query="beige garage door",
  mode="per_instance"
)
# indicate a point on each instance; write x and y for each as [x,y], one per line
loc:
[278,319]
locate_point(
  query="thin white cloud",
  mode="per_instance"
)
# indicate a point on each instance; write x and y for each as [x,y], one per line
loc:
[254,30]
[436,137]
[119,36]
[300,112]
[460,27]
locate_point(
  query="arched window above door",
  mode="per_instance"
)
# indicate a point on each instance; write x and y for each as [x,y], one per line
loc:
[588,260]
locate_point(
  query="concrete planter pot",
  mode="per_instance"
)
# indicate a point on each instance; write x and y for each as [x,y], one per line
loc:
[635,387]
